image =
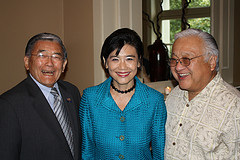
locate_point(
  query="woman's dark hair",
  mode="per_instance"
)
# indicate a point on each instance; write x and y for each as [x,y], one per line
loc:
[117,40]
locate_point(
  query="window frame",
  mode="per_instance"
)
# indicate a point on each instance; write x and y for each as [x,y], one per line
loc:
[222,28]
[199,12]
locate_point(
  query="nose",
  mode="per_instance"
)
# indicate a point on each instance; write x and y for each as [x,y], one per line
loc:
[122,64]
[179,65]
[49,61]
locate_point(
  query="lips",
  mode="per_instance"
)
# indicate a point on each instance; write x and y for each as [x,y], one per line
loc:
[123,74]
[183,75]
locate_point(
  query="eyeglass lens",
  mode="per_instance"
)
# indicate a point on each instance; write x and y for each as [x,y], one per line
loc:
[184,61]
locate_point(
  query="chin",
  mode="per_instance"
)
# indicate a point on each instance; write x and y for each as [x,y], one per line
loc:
[183,86]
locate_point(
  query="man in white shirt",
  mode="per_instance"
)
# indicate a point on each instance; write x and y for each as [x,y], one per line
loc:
[203,111]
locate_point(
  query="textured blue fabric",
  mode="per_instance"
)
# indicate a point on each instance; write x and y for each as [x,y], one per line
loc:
[109,133]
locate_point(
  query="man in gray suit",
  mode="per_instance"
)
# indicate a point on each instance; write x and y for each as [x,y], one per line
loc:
[39,116]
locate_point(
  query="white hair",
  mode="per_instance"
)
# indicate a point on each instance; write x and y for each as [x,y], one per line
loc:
[211,47]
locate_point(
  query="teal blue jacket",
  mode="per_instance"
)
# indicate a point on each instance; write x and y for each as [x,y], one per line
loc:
[109,133]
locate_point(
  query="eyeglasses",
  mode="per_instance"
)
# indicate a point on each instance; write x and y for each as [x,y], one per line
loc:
[44,57]
[172,62]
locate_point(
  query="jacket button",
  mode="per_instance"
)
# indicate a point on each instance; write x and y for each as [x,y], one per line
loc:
[122,138]
[122,119]
[121,156]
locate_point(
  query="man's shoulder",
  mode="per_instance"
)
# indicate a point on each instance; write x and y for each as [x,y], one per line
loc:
[18,89]
[230,89]
[222,87]
[21,93]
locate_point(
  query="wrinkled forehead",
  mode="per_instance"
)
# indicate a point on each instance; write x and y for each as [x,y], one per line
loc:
[188,46]
[47,45]
[182,54]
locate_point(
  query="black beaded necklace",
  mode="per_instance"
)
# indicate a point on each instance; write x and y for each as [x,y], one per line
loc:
[126,91]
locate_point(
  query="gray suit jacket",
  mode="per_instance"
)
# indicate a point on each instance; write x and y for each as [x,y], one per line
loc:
[29,129]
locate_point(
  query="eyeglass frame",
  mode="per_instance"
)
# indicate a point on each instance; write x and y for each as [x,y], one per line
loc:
[54,57]
[179,60]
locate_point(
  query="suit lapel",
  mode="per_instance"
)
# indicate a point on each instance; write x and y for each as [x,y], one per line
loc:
[43,109]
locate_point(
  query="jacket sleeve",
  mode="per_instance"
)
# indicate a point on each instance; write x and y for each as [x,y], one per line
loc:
[158,129]
[10,133]
[87,130]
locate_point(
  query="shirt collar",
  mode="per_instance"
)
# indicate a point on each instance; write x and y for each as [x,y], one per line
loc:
[45,90]
[205,92]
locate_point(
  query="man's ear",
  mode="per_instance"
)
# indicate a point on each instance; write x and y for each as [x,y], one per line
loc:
[64,65]
[213,62]
[26,62]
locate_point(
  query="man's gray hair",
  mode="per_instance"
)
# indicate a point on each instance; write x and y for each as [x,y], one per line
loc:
[211,47]
[44,37]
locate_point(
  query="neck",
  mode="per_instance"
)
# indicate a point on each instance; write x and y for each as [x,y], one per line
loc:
[124,91]
[191,94]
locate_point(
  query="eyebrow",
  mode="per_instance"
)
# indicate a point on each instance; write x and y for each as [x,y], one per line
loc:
[130,56]
[126,56]
[39,51]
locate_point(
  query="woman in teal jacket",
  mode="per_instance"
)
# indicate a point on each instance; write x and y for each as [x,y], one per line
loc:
[122,118]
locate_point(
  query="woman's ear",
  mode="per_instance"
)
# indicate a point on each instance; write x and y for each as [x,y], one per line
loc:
[139,64]
[105,63]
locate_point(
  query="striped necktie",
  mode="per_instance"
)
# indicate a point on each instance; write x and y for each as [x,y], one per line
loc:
[61,114]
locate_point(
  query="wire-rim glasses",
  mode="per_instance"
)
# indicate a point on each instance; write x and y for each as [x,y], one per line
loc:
[172,62]
[44,57]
